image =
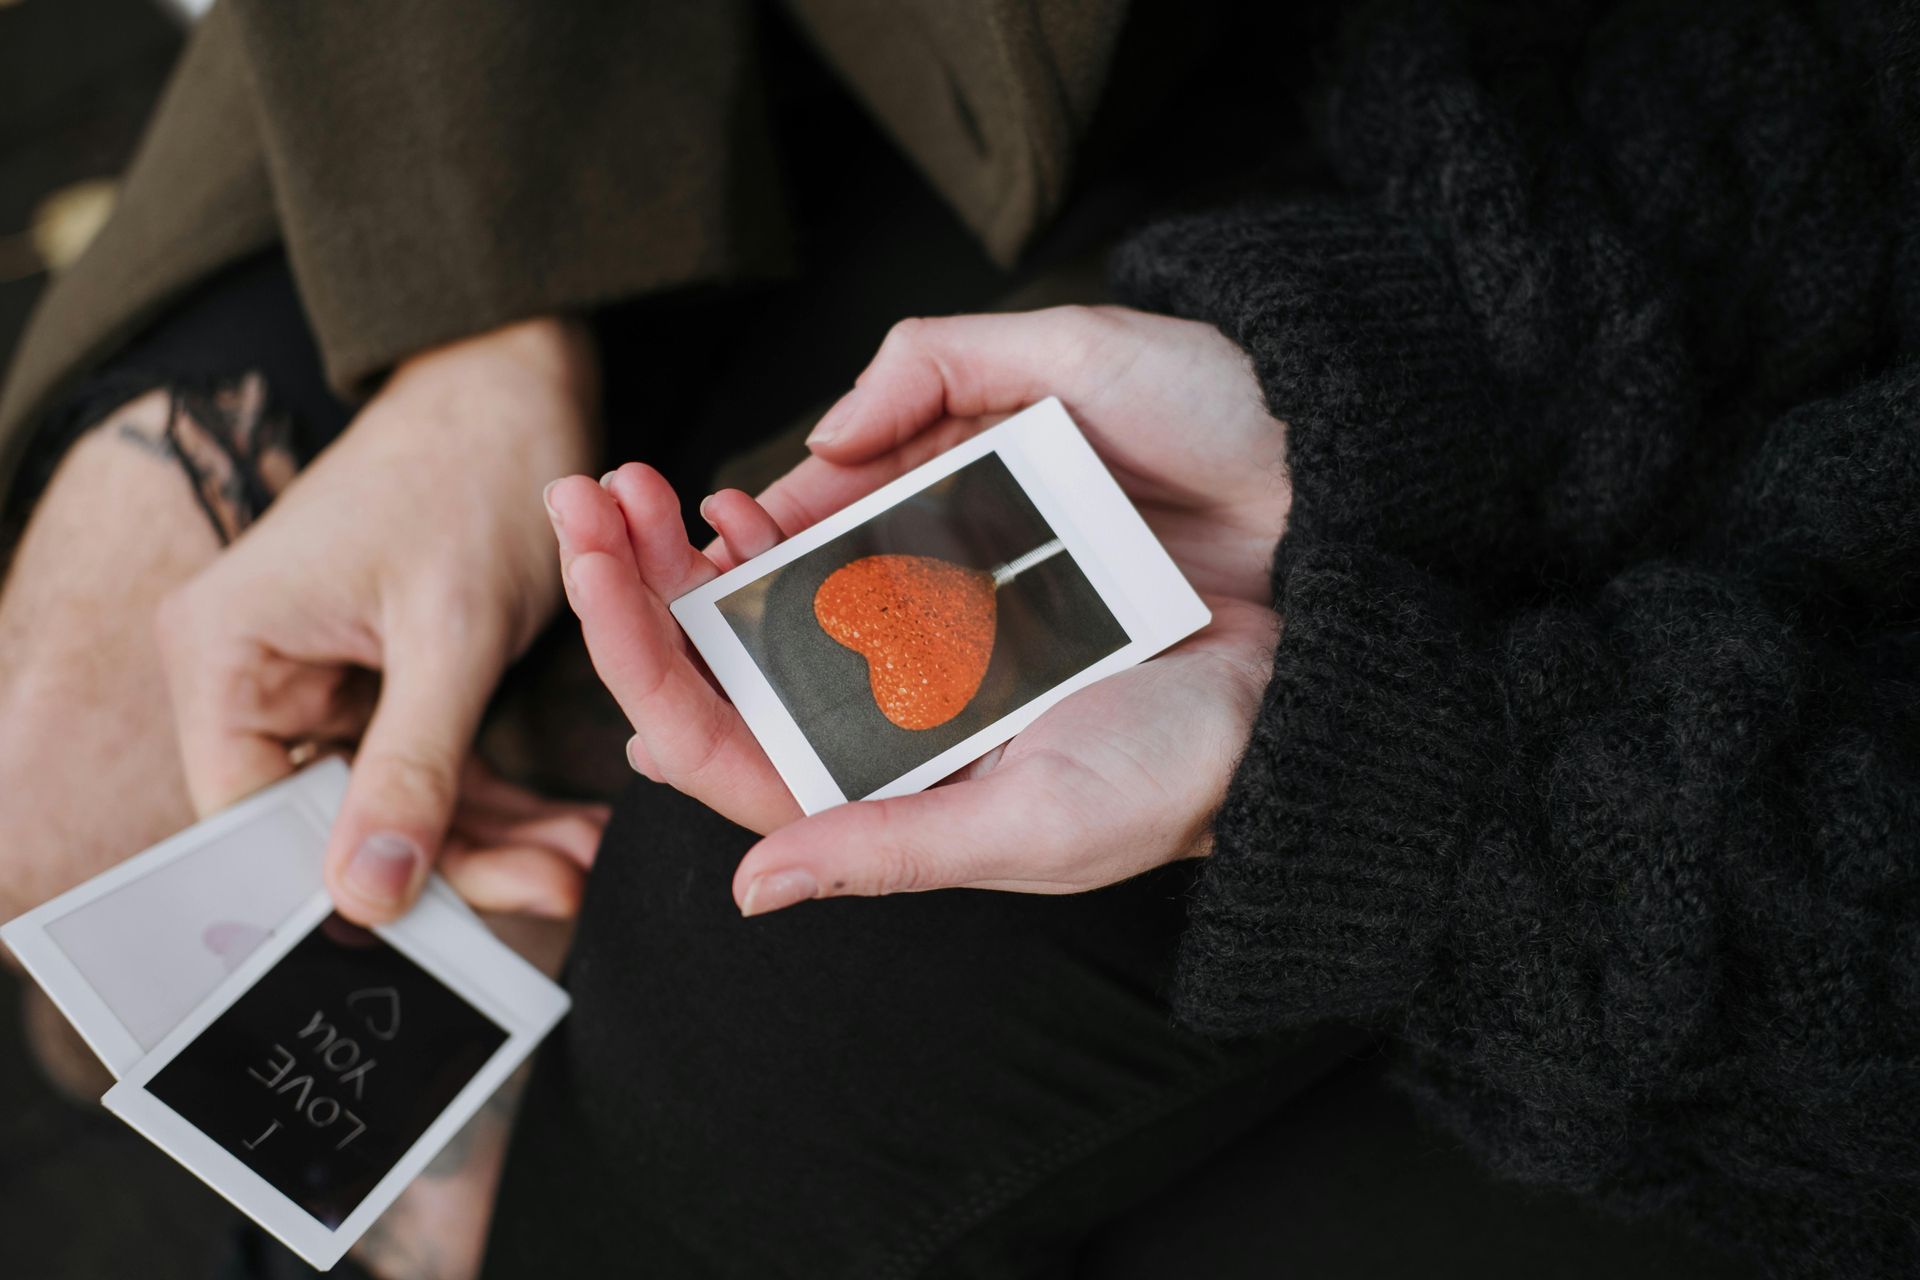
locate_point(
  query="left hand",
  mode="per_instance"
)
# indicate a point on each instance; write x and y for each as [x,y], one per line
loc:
[379,600]
[1119,778]
[516,853]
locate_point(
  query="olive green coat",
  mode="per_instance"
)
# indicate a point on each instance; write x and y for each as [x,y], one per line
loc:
[435,168]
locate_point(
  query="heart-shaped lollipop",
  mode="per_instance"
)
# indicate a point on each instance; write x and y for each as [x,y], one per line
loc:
[924,625]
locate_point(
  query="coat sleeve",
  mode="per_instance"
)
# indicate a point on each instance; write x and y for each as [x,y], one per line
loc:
[441,167]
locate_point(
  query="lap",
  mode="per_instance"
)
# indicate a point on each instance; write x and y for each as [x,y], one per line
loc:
[934,1084]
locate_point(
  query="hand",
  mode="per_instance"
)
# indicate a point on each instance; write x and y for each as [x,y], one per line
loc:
[1171,406]
[83,700]
[413,549]
[518,854]
[1120,777]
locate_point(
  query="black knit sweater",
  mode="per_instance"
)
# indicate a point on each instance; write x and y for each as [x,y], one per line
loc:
[1590,765]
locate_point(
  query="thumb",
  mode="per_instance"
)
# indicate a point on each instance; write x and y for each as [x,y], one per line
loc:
[991,832]
[957,367]
[406,780]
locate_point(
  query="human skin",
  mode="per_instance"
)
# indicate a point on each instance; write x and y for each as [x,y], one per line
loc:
[410,550]
[1114,780]
[90,769]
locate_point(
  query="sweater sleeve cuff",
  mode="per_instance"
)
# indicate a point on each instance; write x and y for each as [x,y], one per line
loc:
[1365,350]
[1335,848]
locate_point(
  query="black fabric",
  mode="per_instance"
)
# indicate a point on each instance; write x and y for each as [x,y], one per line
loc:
[969,1084]
[254,1255]
[1349,1182]
[959,1083]
[1590,766]
[247,319]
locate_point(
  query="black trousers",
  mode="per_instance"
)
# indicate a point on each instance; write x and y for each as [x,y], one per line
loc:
[970,1084]
[945,1084]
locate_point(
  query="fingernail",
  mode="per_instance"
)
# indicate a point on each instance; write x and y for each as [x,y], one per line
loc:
[383,868]
[606,481]
[779,889]
[546,496]
[703,508]
[831,423]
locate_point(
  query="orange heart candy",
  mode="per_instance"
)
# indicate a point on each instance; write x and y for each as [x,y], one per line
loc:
[924,626]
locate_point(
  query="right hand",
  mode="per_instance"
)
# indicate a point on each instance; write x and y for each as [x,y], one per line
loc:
[415,548]
[1172,407]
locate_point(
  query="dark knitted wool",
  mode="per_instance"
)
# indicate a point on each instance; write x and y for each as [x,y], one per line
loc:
[1590,764]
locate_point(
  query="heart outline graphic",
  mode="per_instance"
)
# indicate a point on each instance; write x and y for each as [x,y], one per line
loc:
[392,997]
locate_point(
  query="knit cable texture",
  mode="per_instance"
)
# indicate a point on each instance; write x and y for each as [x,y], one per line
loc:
[1590,765]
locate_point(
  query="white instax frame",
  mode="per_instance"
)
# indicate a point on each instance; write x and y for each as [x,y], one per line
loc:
[1072,489]
[305,803]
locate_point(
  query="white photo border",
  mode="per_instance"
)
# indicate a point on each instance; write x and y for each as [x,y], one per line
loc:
[314,794]
[1075,493]
[441,935]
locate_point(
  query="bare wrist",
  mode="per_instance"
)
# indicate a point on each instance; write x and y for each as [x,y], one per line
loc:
[559,350]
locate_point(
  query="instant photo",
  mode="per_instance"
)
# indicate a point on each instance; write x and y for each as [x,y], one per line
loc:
[911,633]
[330,1068]
[919,628]
[326,1072]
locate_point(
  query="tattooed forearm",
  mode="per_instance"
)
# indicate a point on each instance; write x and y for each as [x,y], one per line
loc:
[235,453]
[140,436]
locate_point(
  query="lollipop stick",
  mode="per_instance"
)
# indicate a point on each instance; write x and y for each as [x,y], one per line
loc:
[1013,568]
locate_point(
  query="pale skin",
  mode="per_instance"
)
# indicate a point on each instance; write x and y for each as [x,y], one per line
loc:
[84,707]
[407,550]
[1115,780]
[86,716]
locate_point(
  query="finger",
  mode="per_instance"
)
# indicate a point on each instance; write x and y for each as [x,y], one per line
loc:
[641,760]
[573,833]
[587,518]
[954,366]
[744,526]
[998,831]
[406,775]
[224,765]
[482,790]
[514,879]
[238,706]
[669,563]
[631,638]
[817,488]
[589,521]
[692,735]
